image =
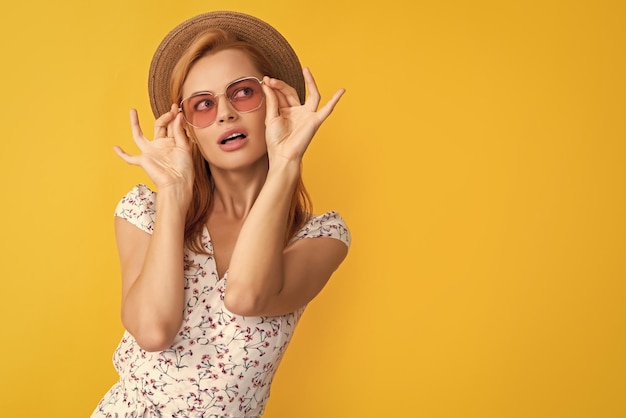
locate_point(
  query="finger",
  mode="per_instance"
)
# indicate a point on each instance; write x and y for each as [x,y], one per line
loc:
[274,97]
[178,132]
[287,95]
[130,159]
[170,126]
[328,108]
[135,128]
[313,98]
[162,123]
[271,102]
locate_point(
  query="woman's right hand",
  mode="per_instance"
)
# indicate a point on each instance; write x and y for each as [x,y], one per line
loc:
[167,158]
[152,264]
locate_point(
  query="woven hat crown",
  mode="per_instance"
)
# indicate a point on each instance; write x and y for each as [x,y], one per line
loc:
[245,27]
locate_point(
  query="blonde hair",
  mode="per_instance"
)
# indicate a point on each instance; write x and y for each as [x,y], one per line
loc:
[207,43]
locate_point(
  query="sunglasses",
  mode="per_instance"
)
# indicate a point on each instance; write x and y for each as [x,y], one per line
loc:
[244,94]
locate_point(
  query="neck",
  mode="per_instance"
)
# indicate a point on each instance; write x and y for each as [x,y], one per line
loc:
[236,190]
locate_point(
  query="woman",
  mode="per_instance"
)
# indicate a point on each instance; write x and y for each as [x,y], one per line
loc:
[218,267]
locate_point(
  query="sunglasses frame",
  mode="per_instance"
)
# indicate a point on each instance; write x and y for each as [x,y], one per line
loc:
[215,96]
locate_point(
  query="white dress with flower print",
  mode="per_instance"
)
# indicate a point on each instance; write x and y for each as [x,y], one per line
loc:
[220,365]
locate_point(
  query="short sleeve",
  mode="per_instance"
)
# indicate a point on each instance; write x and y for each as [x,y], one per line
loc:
[138,207]
[330,225]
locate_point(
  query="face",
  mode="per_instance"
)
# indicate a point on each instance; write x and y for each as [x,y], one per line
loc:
[235,140]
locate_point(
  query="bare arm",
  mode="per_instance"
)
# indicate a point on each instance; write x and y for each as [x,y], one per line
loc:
[152,265]
[152,275]
[264,278]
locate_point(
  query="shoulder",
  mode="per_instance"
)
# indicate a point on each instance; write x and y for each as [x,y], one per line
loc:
[328,225]
[138,207]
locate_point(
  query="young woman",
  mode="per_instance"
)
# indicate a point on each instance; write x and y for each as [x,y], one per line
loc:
[218,266]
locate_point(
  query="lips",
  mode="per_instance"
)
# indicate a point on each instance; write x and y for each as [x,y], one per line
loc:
[232,138]
[231,135]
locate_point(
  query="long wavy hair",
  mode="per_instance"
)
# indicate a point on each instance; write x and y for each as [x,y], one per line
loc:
[207,43]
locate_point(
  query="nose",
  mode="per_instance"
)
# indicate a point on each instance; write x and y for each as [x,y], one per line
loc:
[225,110]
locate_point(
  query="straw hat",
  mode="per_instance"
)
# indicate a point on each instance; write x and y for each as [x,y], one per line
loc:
[247,28]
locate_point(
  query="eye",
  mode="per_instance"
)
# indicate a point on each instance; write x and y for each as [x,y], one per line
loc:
[203,103]
[242,93]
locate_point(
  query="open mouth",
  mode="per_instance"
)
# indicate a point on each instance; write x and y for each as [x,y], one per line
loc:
[232,137]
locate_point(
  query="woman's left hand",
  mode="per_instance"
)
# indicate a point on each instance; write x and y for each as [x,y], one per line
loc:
[289,125]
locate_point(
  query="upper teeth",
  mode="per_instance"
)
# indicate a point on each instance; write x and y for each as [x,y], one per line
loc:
[233,136]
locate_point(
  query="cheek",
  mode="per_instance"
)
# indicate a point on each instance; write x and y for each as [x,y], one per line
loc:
[199,152]
[260,121]
[201,143]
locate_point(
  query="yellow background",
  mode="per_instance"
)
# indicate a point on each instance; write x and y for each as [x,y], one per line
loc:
[478,156]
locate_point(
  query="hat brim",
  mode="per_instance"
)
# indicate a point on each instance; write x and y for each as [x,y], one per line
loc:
[245,27]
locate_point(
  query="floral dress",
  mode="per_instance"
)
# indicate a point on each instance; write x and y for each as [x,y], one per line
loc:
[220,365]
